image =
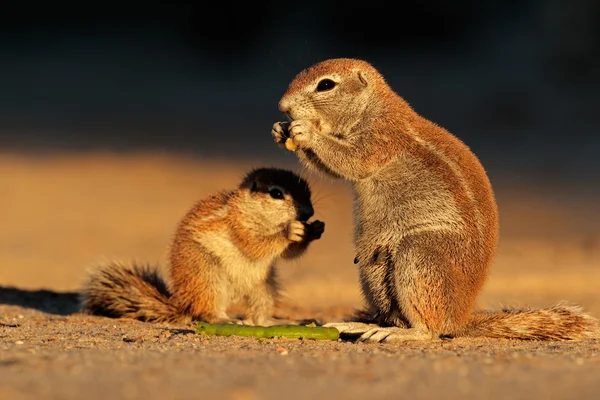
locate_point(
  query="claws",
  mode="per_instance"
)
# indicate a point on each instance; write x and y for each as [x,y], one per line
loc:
[393,335]
[375,335]
[351,328]
[280,133]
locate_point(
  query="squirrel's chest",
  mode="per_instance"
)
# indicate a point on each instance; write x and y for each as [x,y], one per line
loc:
[235,267]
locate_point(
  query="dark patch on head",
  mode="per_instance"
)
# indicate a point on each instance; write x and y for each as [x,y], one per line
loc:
[262,179]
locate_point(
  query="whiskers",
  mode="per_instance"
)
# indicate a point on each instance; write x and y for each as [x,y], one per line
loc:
[318,204]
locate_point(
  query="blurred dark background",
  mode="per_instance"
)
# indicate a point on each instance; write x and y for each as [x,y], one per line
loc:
[518,81]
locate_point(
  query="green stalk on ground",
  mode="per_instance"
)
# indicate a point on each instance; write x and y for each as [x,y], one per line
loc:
[267,332]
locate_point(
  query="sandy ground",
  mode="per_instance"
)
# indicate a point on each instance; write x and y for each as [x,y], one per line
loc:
[60,214]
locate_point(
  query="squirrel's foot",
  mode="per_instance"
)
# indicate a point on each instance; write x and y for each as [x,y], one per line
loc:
[296,231]
[351,328]
[280,132]
[393,335]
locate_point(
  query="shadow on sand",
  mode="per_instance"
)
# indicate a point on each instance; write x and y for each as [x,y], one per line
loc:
[59,303]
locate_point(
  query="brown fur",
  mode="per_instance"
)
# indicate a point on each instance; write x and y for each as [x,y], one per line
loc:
[561,322]
[116,290]
[224,250]
[426,221]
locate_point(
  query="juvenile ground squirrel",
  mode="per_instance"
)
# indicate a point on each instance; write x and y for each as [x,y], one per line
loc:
[426,221]
[224,250]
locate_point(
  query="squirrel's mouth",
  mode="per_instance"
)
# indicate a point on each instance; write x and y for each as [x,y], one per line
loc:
[304,215]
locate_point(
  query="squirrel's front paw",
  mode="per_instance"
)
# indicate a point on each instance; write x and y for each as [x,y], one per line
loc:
[296,231]
[301,132]
[315,229]
[280,132]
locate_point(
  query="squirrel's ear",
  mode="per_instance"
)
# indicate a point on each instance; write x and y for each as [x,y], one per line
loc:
[362,78]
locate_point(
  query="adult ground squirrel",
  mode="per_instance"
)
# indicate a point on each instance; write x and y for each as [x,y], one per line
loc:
[426,221]
[224,250]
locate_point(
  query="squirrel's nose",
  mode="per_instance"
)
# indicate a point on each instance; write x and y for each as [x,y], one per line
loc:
[305,213]
[284,106]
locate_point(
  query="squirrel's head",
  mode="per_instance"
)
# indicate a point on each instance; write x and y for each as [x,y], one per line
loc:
[336,92]
[273,197]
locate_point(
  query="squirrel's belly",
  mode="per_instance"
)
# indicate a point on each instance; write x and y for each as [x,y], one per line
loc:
[236,270]
[394,212]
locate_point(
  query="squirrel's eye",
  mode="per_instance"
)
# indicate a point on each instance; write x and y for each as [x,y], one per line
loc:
[276,193]
[325,84]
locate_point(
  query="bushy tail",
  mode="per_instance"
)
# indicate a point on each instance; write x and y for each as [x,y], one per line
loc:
[117,290]
[561,322]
